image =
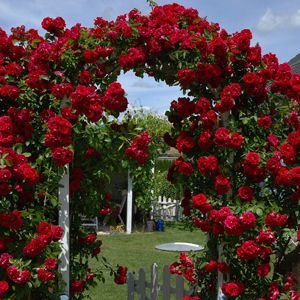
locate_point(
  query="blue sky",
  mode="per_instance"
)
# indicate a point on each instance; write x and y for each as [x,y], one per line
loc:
[274,23]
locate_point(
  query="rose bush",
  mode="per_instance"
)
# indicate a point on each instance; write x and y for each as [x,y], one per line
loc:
[237,129]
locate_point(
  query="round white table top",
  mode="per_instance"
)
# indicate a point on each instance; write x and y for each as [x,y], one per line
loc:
[179,246]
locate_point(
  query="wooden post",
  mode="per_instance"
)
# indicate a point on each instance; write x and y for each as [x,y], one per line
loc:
[179,287]
[64,223]
[142,284]
[166,283]
[129,205]
[130,284]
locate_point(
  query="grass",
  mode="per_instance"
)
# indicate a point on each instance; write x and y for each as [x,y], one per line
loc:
[138,251]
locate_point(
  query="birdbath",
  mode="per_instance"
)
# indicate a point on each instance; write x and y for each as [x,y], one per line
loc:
[179,246]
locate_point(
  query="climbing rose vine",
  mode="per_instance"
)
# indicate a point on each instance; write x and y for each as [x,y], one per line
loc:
[236,127]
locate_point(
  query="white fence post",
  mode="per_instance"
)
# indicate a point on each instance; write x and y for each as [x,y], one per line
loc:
[140,285]
[64,223]
[129,205]
[154,282]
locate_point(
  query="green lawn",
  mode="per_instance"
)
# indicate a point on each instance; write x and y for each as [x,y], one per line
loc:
[137,251]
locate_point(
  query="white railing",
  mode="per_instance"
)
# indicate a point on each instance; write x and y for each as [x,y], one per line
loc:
[166,208]
[90,222]
[151,290]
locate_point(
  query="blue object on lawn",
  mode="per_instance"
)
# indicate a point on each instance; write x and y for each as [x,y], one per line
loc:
[160,225]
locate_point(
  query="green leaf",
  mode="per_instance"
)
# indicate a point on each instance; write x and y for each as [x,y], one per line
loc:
[259,211]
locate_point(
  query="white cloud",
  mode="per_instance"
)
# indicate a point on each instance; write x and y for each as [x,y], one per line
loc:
[271,21]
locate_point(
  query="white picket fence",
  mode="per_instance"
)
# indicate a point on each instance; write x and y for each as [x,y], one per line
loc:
[167,209]
[151,290]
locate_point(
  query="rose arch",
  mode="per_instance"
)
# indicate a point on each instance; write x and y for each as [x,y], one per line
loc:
[237,129]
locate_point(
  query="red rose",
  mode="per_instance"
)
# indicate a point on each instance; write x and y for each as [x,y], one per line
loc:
[232,289]
[132,58]
[4,287]
[191,298]
[217,229]
[96,251]
[18,276]
[294,139]
[11,220]
[77,287]
[236,141]
[10,92]
[222,185]
[186,77]
[248,220]
[248,250]
[44,275]
[90,275]
[121,275]
[138,149]
[288,153]
[90,56]
[185,168]
[68,114]
[223,267]
[204,141]
[85,77]
[208,164]
[36,246]
[185,142]
[89,152]
[266,236]
[50,263]
[4,260]
[233,226]
[105,211]
[59,126]
[272,140]
[274,219]
[273,163]
[57,232]
[202,224]
[114,98]
[86,100]
[5,174]
[245,193]
[221,137]
[252,159]
[53,25]
[62,156]
[223,213]
[263,270]
[44,228]
[60,90]
[30,174]
[264,122]
[4,189]
[200,202]
[212,266]
[209,120]
[184,107]
[274,292]
[2,244]
[89,239]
